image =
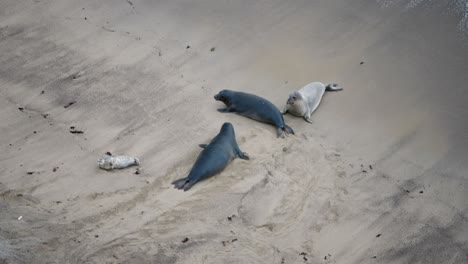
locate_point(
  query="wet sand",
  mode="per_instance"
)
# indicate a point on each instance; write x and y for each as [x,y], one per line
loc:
[379,177]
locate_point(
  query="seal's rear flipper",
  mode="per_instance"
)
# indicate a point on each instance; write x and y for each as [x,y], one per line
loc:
[180,183]
[188,185]
[288,130]
[243,155]
[280,132]
[333,87]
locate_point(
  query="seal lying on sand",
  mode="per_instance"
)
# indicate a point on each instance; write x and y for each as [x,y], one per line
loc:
[307,99]
[117,162]
[254,107]
[214,158]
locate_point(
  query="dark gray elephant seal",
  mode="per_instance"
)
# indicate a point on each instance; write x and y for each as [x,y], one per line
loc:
[214,158]
[254,107]
[306,100]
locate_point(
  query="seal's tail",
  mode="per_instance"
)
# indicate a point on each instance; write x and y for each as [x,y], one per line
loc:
[333,87]
[181,183]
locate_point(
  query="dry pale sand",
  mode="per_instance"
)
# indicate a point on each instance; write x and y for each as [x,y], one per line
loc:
[381,175]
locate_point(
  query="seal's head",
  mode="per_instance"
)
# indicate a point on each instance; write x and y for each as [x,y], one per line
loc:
[227,127]
[222,96]
[294,97]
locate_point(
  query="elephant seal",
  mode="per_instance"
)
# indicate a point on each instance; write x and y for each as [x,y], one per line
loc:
[254,107]
[304,101]
[214,158]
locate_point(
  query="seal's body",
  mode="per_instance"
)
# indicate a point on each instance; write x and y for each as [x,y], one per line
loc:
[254,107]
[304,101]
[214,158]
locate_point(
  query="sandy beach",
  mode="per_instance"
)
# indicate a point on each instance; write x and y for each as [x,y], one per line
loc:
[380,176]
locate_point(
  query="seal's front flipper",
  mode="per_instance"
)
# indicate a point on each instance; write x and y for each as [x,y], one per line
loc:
[203,145]
[243,155]
[285,110]
[227,110]
[179,184]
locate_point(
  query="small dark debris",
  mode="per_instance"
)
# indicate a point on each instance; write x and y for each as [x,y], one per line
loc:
[85,18]
[378,235]
[70,104]
[212,49]
[374,257]
[421,191]
[114,256]
[76,132]
[45,243]
[406,191]
[74,76]
[303,254]
[185,240]
[229,218]
[160,54]
[55,169]
[362,166]
[285,149]
[282,260]
[58,202]
[361,63]
[30,172]
[224,243]
[325,257]
[21,109]
[35,132]
[45,115]
[19,195]
[137,172]
[42,92]
[188,47]
[108,153]
[364,171]
[11,144]
[96,236]
[234,240]
[370,167]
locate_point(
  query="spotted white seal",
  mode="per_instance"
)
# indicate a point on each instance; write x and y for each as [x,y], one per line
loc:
[304,101]
[117,162]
